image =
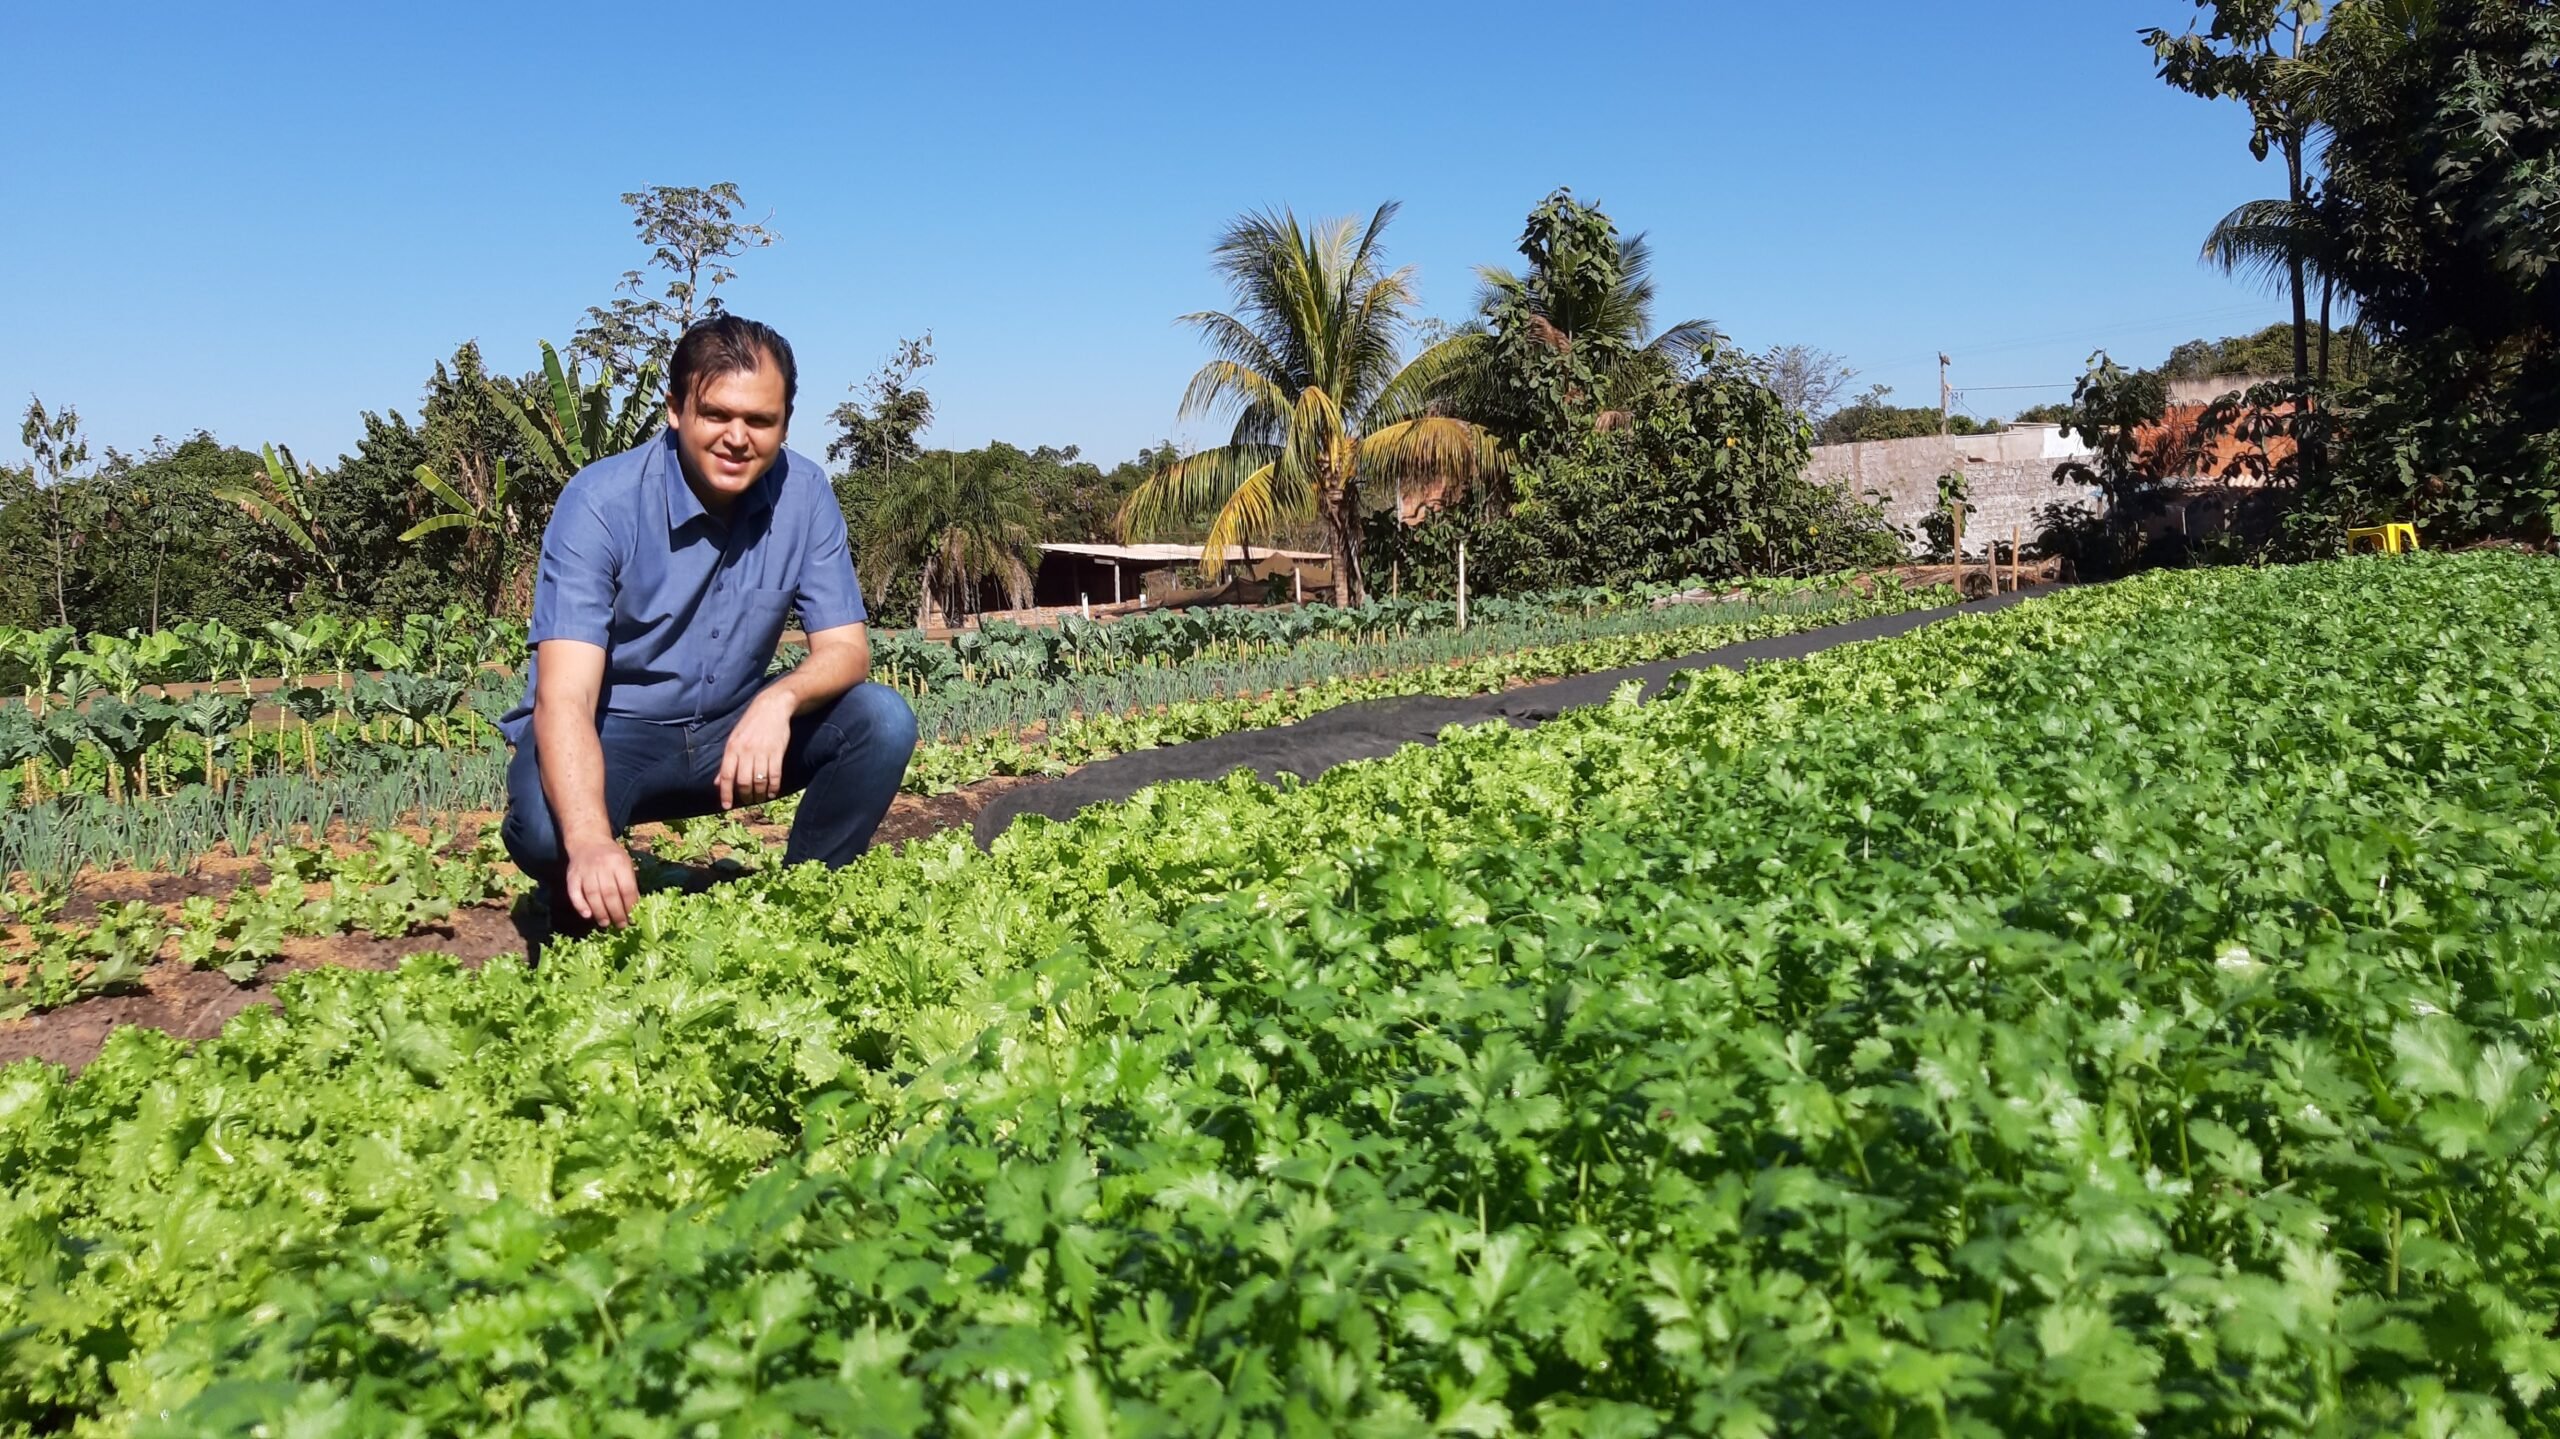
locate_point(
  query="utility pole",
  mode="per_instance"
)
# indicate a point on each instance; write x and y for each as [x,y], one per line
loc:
[1946,396]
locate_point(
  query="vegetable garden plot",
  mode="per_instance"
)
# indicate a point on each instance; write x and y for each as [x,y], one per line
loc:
[2130,1009]
[73,966]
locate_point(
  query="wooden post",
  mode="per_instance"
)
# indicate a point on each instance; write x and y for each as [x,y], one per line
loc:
[1958,520]
[1115,582]
[1297,583]
[2017,564]
[1085,603]
[1462,586]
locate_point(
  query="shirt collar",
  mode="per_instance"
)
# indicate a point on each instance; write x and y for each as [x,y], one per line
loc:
[684,506]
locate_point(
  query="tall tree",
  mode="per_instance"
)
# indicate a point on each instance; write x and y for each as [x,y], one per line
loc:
[1584,285]
[365,503]
[2443,119]
[2252,51]
[1572,333]
[1809,380]
[693,234]
[1869,418]
[59,450]
[1308,362]
[889,410]
[168,547]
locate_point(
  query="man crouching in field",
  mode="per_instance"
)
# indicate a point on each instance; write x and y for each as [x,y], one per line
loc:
[667,573]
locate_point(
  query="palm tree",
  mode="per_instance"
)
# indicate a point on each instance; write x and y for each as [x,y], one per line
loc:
[2283,244]
[961,524]
[1309,364]
[1584,284]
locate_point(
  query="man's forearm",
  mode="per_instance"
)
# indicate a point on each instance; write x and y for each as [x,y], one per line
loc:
[823,677]
[572,760]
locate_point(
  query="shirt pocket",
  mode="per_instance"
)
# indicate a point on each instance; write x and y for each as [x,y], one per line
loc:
[760,616]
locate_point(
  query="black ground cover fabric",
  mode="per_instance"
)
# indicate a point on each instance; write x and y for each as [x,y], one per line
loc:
[1372,728]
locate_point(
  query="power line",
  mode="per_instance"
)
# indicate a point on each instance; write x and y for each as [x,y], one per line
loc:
[2136,326]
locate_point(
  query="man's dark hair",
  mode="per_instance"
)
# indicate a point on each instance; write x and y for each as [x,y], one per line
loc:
[729,345]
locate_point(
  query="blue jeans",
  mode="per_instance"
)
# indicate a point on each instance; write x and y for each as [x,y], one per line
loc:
[844,761]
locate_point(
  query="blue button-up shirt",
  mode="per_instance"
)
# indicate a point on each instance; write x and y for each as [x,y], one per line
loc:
[687,608]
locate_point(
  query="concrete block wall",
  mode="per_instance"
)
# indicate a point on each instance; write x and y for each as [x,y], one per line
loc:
[2008,478]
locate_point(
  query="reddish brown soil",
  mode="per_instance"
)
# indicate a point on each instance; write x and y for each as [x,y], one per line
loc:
[195,1004]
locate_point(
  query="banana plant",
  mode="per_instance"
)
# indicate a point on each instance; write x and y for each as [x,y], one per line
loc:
[583,423]
[289,510]
[460,512]
[496,519]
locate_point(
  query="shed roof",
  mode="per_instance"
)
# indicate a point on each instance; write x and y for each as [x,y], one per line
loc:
[1166,554]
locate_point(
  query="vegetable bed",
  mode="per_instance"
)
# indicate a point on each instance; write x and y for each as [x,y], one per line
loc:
[2131,1012]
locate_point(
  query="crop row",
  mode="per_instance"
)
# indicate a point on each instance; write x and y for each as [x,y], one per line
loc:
[2128,1010]
[97,719]
[391,887]
[458,640]
[323,764]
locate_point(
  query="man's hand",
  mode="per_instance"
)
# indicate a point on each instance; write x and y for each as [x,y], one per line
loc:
[602,883]
[751,765]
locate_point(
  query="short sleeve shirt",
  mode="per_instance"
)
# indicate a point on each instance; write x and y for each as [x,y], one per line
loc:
[688,608]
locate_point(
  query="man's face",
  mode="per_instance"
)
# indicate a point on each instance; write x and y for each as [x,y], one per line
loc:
[729,431]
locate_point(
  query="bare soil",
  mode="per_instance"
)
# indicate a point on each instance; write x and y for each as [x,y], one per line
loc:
[195,1004]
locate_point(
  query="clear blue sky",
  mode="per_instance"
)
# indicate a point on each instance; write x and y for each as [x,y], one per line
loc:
[263,220]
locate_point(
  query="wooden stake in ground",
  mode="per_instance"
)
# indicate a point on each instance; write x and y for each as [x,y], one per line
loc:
[1462,586]
[1959,547]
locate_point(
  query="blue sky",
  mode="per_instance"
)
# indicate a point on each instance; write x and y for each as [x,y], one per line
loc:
[263,220]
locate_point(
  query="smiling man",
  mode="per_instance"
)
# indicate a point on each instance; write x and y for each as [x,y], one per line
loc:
[667,574]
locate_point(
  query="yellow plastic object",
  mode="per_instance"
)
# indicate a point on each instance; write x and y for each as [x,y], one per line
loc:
[2392,539]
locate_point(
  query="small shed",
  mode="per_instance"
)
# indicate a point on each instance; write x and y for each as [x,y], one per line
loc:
[1109,574]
